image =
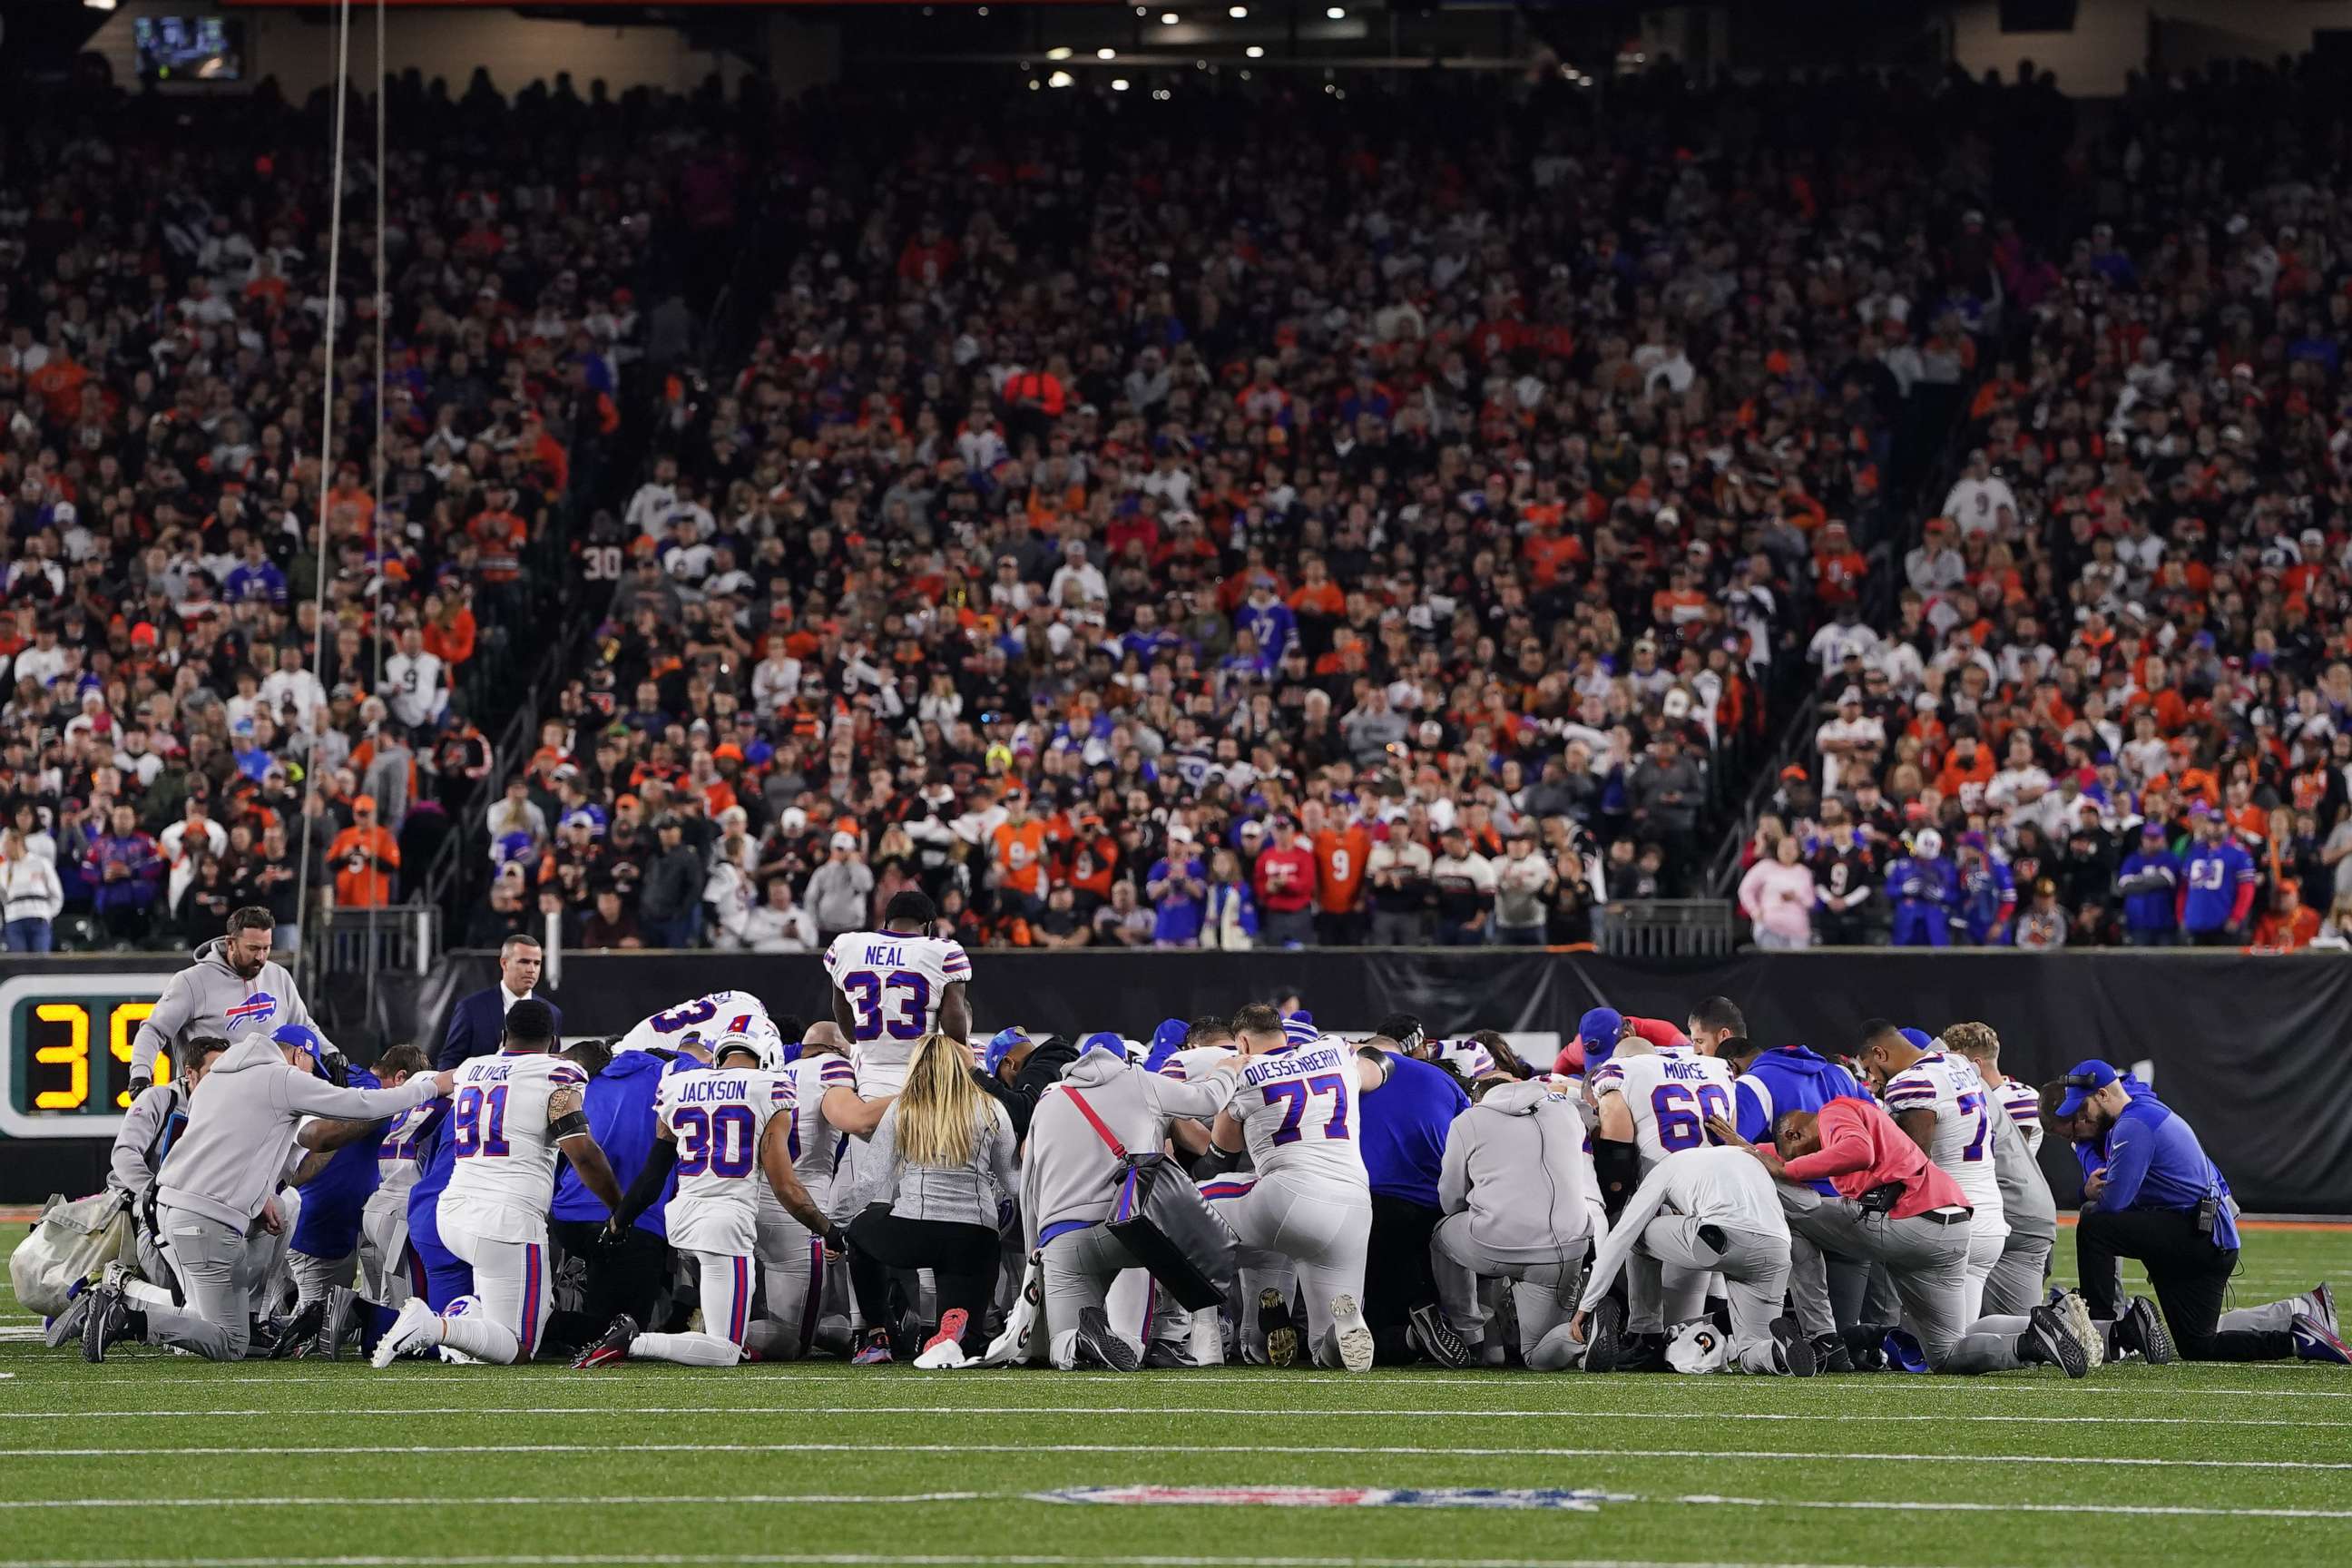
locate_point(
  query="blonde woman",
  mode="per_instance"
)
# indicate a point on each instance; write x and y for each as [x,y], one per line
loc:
[930,1181]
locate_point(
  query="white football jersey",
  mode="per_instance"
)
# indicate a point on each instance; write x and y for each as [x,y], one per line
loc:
[2024,1103]
[718,1117]
[1669,1093]
[704,1018]
[1297,1111]
[1947,1083]
[815,1146]
[504,1174]
[397,1155]
[895,982]
[1195,1061]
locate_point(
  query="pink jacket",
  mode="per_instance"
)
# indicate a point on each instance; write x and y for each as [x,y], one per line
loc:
[1779,898]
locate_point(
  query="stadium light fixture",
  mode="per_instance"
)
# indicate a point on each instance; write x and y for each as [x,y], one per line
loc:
[1059,52]
[1105,54]
[1256,51]
[99,4]
[1119,84]
[1060,79]
[1169,19]
[1238,12]
[1336,13]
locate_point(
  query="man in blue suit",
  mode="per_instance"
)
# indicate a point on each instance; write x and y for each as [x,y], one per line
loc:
[479,1019]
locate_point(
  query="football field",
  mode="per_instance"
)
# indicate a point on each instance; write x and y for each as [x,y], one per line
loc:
[158,1459]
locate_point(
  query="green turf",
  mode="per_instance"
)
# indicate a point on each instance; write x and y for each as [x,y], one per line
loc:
[643,1463]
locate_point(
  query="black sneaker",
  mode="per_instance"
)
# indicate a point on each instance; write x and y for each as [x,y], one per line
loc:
[1436,1337]
[1796,1350]
[1281,1333]
[302,1328]
[106,1321]
[2048,1339]
[1830,1354]
[614,1346]
[2143,1331]
[1604,1335]
[1098,1345]
[1167,1355]
[66,1325]
[1643,1353]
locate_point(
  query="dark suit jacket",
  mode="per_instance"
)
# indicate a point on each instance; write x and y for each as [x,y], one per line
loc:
[474,1026]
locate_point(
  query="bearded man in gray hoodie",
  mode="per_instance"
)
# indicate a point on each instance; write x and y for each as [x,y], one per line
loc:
[232,991]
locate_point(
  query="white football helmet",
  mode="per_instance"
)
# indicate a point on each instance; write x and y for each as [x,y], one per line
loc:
[1698,1347]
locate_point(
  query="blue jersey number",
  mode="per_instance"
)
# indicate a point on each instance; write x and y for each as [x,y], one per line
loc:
[686,1017]
[722,1141]
[1680,1127]
[1295,1094]
[480,1122]
[876,1014]
[1974,1105]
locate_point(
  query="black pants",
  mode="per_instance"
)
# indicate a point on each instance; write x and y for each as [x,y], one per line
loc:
[1397,1273]
[1342,929]
[625,1277]
[2191,1277]
[962,1257]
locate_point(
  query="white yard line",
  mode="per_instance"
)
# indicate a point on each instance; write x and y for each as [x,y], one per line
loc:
[868,1559]
[998,1411]
[1281,1450]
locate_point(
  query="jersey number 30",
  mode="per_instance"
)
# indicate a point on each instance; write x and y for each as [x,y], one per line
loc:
[901,1014]
[721,1142]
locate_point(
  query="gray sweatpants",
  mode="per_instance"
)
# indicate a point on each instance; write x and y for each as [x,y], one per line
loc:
[1543,1292]
[219,1266]
[1079,1268]
[2014,1287]
[1928,1265]
[1755,1270]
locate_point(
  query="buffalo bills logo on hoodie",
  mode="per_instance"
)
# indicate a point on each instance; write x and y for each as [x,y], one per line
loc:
[255,1010]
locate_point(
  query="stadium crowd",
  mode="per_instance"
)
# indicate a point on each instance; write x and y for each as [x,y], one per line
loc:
[2114,701]
[195,701]
[1212,549]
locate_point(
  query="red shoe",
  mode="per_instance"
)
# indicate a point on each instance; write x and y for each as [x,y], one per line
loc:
[951,1326]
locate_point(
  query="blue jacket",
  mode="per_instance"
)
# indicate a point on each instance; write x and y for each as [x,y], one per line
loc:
[328,1226]
[1405,1121]
[1178,914]
[620,1107]
[474,1026]
[2154,908]
[1791,1077]
[2154,1161]
[2215,874]
[1988,897]
[1917,881]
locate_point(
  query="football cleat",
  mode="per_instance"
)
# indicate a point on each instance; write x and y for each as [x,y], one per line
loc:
[1167,1355]
[300,1329]
[1437,1336]
[1830,1354]
[2143,1331]
[874,1351]
[1099,1345]
[106,1320]
[2050,1337]
[1281,1333]
[945,1351]
[2075,1313]
[2315,1340]
[412,1333]
[1354,1334]
[342,1322]
[1796,1352]
[610,1346]
[1604,1335]
[66,1324]
[2323,1307]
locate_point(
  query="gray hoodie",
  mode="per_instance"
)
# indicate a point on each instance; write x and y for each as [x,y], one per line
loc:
[198,1000]
[1498,1155]
[241,1124]
[2025,1199]
[1066,1168]
[141,1142]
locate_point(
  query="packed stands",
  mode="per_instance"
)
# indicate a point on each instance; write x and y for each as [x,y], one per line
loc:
[2112,701]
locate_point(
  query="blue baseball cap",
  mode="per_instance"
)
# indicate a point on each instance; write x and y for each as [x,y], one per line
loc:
[1598,1031]
[999,1046]
[1920,1038]
[302,1038]
[1102,1040]
[2083,1080]
[1166,1041]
